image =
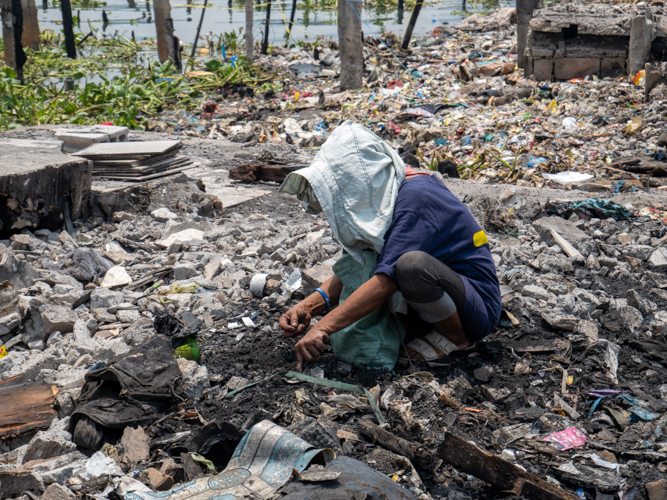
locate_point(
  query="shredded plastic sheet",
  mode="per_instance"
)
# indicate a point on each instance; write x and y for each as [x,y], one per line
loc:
[589,209]
[263,461]
[567,439]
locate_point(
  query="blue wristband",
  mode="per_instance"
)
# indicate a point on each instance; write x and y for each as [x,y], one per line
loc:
[325,297]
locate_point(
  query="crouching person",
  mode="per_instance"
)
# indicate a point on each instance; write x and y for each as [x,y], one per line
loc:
[414,260]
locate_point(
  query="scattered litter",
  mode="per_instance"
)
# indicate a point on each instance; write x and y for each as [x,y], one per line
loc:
[567,439]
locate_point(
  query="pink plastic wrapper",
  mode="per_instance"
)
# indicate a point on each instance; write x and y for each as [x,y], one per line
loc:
[569,438]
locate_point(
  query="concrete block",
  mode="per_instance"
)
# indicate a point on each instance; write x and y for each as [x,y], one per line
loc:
[38,181]
[658,259]
[315,277]
[103,298]
[563,227]
[76,141]
[542,53]
[194,378]
[115,133]
[184,271]
[13,482]
[543,69]
[641,37]
[566,69]
[18,272]
[612,67]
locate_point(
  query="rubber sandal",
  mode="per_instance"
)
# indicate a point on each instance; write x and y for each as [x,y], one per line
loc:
[426,350]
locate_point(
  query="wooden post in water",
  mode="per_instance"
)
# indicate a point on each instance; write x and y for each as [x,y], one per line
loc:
[411,24]
[248,29]
[291,22]
[265,43]
[350,44]
[11,17]
[167,43]
[201,21]
[68,28]
[30,36]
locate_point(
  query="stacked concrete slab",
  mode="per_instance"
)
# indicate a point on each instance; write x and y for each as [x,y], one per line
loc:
[576,40]
[82,137]
[39,184]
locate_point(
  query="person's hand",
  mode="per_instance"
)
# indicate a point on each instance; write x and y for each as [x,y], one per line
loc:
[310,347]
[295,321]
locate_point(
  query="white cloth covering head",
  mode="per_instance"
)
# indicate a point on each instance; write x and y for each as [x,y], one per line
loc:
[354,179]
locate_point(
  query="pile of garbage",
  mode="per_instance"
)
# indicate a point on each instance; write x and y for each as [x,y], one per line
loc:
[455,95]
[141,355]
[139,351]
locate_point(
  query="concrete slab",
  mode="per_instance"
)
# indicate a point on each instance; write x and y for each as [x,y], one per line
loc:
[38,182]
[218,183]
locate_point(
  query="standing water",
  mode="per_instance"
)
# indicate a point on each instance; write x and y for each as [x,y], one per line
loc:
[311,20]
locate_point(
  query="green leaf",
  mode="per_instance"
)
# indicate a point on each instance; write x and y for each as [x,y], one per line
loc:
[213,64]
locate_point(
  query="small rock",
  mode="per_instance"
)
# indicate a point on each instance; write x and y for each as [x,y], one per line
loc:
[535,292]
[483,374]
[315,276]
[658,259]
[194,378]
[128,315]
[158,480]
[163,214]
[588,329]
[212,269]
[103,298]
[14,482]
[116,276]
[184,271]
[657,490]
[123,216]
[57,492]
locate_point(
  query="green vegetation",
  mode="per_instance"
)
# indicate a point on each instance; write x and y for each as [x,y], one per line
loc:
[113,81]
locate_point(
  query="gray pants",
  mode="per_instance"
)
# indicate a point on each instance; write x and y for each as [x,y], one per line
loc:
[430,287]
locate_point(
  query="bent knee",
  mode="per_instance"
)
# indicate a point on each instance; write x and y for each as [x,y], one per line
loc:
[410,268]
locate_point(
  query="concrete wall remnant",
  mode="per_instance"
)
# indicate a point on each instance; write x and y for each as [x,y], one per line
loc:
[38,184]
[576,40]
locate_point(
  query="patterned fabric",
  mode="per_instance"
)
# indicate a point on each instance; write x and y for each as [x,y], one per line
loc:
[262,462]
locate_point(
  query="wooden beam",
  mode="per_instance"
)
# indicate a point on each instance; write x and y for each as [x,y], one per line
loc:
[497,472]
[25,406]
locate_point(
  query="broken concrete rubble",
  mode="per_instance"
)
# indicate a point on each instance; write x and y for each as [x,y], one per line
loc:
[580,345]
[562,308]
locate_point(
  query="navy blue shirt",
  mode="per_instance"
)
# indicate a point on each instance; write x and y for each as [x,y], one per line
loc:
[429,218]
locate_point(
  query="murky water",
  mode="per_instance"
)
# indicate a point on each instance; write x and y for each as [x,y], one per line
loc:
[127,16]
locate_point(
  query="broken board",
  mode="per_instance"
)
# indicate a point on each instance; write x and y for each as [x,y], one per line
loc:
[499,473]
[25,406]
